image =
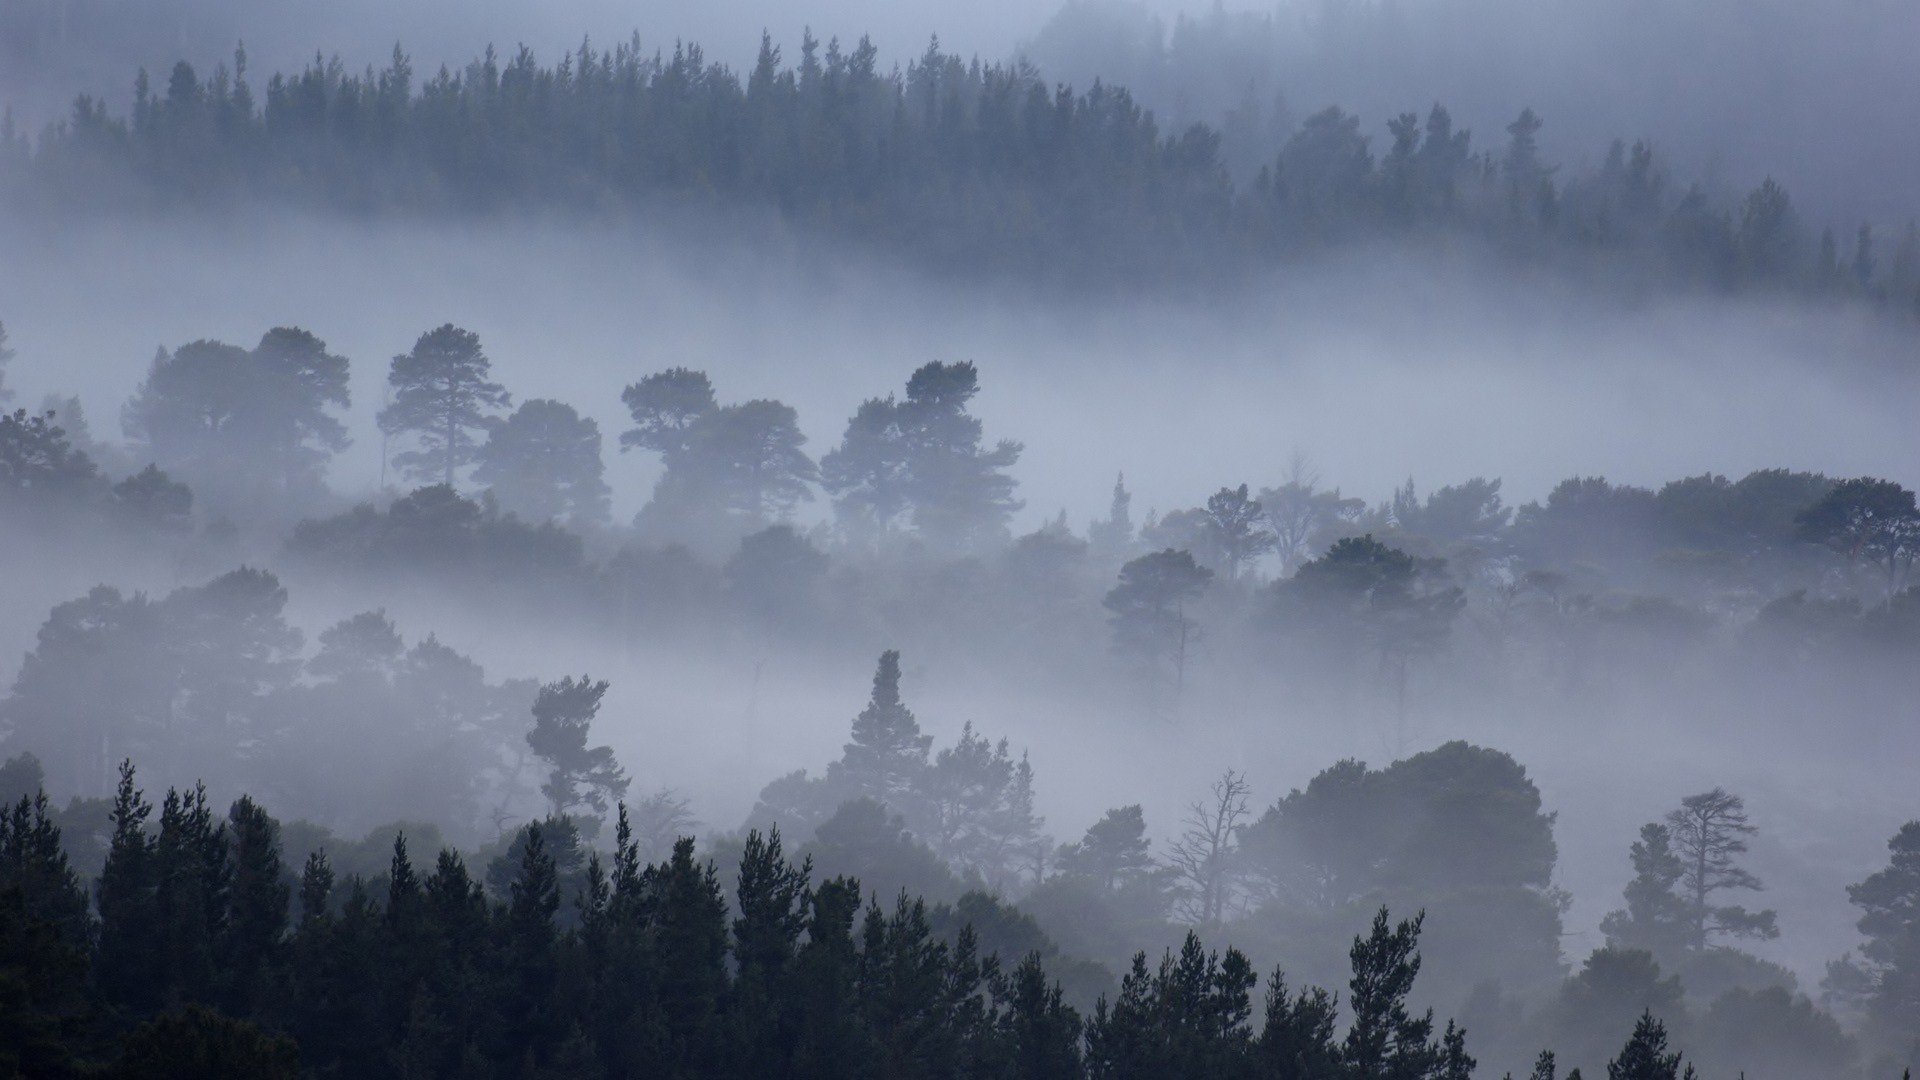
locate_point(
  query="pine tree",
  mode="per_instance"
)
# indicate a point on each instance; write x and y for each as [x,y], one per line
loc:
[1297,1035]
[831,1039]
[1645,1056]
[443,399]
[888,754]
[252,949]
[771,902]
[543,464]
[563,713]
[129,966]
[1386,1041]
[1708,831]
[1655,918]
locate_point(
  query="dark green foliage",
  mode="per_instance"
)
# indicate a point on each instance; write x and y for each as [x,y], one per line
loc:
[1385,1040]
[1645,1056]
[1188,1018]
[197,1042]
[1297,1040]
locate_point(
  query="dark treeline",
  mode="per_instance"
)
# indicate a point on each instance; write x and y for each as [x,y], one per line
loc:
[957,164]
[200,950]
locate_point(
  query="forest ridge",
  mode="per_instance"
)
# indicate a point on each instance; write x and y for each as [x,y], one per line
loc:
[955,164]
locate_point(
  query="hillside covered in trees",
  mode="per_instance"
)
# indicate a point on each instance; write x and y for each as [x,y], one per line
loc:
[628,562]
[953,163]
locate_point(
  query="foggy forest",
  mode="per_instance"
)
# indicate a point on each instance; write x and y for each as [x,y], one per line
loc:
[1306,540]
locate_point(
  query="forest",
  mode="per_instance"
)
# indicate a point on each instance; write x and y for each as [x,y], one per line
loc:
[1379,616]
[1078,560]
[966,167]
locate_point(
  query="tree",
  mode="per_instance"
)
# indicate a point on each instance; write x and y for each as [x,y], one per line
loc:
[129,967]
[245,422]
[922,455]
[888,755]
[744,460]
[1115,852]
[1297,1036]
[251,945]
[664,406]
[1645,1056]
[975,808]
[1885,978]
[1656,917]
[151,499]
[771,901]
[1113,537]
[1385,1040]
[543,464]
[1187,1018]
[1362,598]
[1304,518]
[1707,833]
[1768,235]
[304,384]
[776,575]
[1205,857]
[1149,614]
[1611,989]
[867,473]
[578,777]
[197,1041]
[37,459]
[1455,513]
[1867,520]
[725,465]
[1234,531]
[443,400]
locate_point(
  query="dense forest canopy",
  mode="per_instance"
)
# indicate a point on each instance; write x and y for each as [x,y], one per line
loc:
[960,164]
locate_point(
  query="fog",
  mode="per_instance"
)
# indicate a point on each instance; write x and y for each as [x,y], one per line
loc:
[1714,616]
[1379,365]
[1384,365]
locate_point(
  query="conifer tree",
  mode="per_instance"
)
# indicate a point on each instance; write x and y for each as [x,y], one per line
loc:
[1645,1056]
[563,713]
[442,399]
[888,754]
[128,966]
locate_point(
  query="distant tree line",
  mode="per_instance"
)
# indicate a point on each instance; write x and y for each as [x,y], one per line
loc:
[1808,568]
[958,164]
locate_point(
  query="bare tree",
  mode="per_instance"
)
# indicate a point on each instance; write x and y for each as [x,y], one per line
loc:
[1204,858]
[1708,833]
